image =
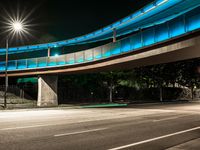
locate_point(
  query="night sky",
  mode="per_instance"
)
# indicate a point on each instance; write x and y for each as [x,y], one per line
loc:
[54,20]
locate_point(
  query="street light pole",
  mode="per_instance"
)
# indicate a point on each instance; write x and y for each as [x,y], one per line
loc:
[6,76]
[16,27]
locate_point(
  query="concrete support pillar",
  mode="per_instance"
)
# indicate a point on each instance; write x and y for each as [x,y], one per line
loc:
[47,90]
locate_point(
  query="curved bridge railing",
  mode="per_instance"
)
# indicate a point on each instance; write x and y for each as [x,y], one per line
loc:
[184,24]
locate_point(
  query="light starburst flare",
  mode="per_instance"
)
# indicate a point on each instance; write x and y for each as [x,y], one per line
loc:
[16,28]
[18,24]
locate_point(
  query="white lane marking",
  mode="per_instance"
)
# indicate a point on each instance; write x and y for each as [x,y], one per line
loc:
[24,127]
[170,118]
[80,132]
[154,139]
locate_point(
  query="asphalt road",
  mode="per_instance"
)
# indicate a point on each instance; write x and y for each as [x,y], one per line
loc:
[142,127]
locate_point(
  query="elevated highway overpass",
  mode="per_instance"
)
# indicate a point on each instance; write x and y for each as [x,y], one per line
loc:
[177,49]
[174,38]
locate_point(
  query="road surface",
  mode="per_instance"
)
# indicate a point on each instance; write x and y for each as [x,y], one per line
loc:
[141,127]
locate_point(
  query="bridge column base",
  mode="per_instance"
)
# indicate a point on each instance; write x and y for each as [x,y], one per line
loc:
[47,91]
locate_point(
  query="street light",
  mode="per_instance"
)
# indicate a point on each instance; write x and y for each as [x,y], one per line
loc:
[16,27]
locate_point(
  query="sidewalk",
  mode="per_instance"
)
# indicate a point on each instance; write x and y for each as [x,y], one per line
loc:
[191,145]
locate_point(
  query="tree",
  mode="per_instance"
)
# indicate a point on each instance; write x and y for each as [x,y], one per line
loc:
[111,80]
[188,75]
[156,76]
